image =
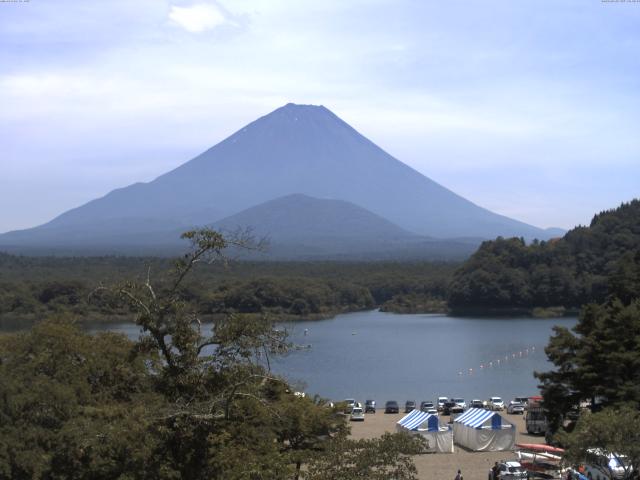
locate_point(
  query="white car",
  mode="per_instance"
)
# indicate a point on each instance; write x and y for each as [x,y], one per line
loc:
[509,471]
[441,402]
[460,402]
[495,403]
[357,414]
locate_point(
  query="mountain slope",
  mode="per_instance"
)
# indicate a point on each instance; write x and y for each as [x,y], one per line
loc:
[586,265]
[296,148]
[298,217]
[298,226]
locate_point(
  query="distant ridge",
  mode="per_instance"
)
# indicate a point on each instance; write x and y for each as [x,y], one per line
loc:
[298,226]
[295,149]
[299,217]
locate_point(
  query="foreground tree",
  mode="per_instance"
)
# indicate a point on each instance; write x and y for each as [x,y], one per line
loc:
[74,405]
[377,459]
[612,431]
[184,402]
[598,362]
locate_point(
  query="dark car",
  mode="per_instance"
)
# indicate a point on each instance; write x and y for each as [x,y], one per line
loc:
[391,407]
[476,404]
[409,405]
[370,406]
[426,406]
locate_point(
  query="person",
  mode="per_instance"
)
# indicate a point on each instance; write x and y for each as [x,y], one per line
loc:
[458,476]
[494,471]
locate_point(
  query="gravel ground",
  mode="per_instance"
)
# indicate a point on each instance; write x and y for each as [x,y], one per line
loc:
[443,466]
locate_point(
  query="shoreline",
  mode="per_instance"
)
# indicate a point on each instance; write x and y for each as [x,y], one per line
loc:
[11,323]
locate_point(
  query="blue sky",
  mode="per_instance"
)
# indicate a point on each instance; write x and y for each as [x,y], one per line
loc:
[530,108]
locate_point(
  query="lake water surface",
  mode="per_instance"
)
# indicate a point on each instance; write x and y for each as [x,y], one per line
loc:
[418,357]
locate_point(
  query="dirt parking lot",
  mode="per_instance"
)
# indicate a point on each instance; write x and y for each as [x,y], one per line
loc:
[443,466]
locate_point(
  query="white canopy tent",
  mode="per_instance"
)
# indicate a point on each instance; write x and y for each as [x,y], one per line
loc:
[440,438]
[483,430]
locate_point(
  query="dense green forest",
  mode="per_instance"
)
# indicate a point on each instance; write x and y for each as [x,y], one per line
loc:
[583,266]
[34,287]
[597,363]
[503,275]
[102,407]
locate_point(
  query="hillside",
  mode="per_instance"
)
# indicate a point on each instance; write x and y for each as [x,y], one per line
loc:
[295,149]
[586,265]
[304,218]
[298,226]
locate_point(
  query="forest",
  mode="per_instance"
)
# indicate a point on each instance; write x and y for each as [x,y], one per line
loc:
[504,275]
[584,266]
[102,407]
[34,287]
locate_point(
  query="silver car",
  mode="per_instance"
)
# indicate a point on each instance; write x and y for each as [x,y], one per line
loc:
[357,414]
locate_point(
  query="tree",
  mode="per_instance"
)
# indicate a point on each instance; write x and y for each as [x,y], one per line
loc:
[611,431]
[73,405]
[182,402]
[377,459]
[586,265]
[598,362]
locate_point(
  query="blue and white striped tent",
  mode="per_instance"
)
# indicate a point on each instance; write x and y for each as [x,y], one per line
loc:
[440,438]
[483,430]
[419,420]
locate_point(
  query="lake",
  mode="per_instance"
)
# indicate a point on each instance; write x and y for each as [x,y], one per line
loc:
[402,357]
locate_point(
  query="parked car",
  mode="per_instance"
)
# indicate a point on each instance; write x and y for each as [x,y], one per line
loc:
[391,407]
[509,471]
[349,404]
[409,405]
[370,406]
[605,466]
[441,402]
[495,403]
[426,405]
[451,407]
[523,400]
[357,414]
[460,402]
[432,411]
[476,404]
[515,408]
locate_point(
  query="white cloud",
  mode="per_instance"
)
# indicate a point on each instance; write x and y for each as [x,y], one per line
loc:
[198,17]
